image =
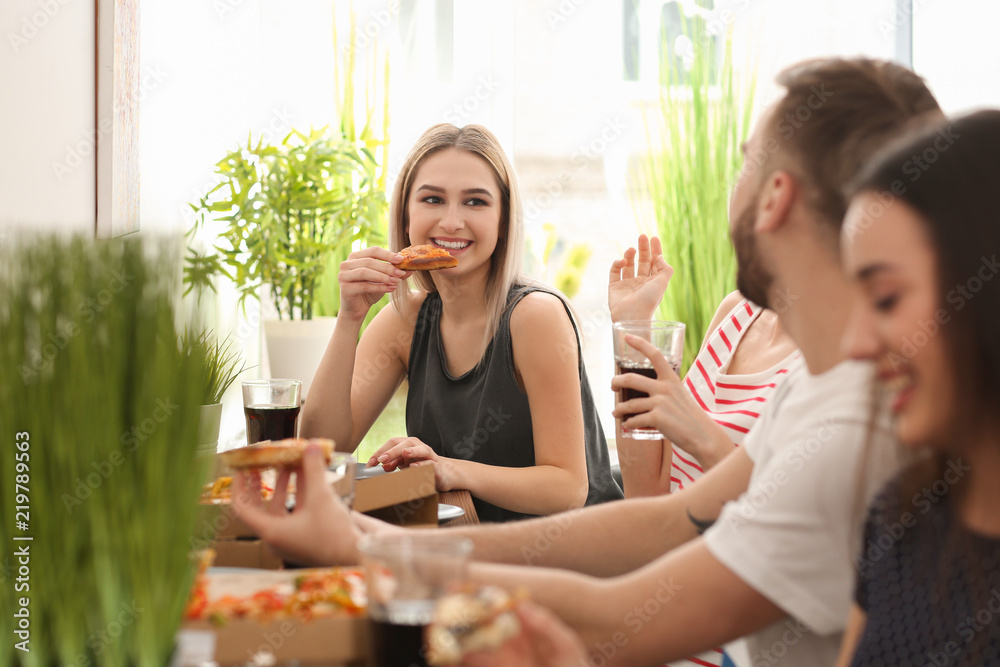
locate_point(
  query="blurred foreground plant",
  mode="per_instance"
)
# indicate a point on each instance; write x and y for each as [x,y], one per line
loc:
[95,384]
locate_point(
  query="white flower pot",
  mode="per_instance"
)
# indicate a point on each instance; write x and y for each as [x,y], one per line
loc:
[295,347]
[209,423]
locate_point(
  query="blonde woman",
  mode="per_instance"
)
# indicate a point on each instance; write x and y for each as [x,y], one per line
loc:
[498,397]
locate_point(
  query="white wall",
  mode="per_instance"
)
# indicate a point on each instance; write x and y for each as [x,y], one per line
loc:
[955,49]
[47,69]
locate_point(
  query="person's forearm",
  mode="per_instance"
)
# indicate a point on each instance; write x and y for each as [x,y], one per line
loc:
[715,446]
[542,489]
[601,540]
[681,604]
[645,466]
[327,412]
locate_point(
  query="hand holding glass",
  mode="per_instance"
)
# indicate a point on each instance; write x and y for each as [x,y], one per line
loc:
[668,338]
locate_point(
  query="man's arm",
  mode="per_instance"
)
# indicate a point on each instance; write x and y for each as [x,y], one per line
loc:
[683,603]
[603,540]
[616,537]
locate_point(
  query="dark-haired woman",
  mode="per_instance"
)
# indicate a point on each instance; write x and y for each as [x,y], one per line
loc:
[921,240]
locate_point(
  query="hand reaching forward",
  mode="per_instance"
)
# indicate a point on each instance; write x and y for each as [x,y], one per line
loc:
[319,531]
[634,292]
[405,452]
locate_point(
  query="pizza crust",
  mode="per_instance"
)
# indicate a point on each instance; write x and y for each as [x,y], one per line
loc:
[275,453]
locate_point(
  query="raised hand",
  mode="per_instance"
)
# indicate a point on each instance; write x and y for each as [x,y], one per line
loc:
[365,276]
[634,291]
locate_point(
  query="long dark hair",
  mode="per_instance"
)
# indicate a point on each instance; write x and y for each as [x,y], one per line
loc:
[948,173]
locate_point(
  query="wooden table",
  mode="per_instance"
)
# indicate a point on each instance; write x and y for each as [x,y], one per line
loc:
[461,499]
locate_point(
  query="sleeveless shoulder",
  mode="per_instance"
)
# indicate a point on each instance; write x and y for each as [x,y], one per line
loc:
[536,308]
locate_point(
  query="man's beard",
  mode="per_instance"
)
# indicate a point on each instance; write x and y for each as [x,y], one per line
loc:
[752,279]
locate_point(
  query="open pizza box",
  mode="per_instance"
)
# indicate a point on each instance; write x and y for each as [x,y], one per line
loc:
[339,640]
[404,497]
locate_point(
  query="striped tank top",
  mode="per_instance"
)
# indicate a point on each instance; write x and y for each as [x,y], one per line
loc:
[733,401]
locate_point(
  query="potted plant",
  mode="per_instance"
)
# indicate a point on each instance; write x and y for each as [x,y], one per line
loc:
[694,132]
[100,411]
[222,367]
[286,211]
[285,215]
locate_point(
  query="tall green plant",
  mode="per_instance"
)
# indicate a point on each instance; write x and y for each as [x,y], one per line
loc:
[369,131]
[291,212]
[695,134]
[104,409]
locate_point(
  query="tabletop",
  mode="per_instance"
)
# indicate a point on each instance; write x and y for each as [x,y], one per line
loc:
[463,499]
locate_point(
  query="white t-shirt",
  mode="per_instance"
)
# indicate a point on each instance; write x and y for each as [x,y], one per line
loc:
[793,535]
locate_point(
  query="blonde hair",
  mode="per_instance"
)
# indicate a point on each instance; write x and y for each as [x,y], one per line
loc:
[505,263]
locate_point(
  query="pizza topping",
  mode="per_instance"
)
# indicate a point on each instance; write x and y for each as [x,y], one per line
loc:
[314,594]
[426,258]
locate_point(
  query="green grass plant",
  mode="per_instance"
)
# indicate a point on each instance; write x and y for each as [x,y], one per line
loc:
[694,134]
[110,405]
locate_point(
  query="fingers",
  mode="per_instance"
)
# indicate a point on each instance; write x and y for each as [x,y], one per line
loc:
[389,444]
[622,269]
[633,407]
[247,503]
[663,366]
[279,499]
[643,419]
[655,249]
[644,256]
[659,267]
[375,252]
[390,455]
[372,265]
[380,274]
[311,479]
[406,451]
[628,270]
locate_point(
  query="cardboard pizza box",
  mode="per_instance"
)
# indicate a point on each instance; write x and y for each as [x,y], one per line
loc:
[406,497]
[339,640]
[252,553]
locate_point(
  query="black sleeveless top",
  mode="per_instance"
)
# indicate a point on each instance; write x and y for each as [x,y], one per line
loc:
[930,587]
[483,415]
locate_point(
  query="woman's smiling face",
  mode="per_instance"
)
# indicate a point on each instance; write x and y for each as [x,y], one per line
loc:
[898,320]
[455,204]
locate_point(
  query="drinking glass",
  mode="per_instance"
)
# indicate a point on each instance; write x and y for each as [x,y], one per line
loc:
[405,575]
[665,336]
[271,408]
